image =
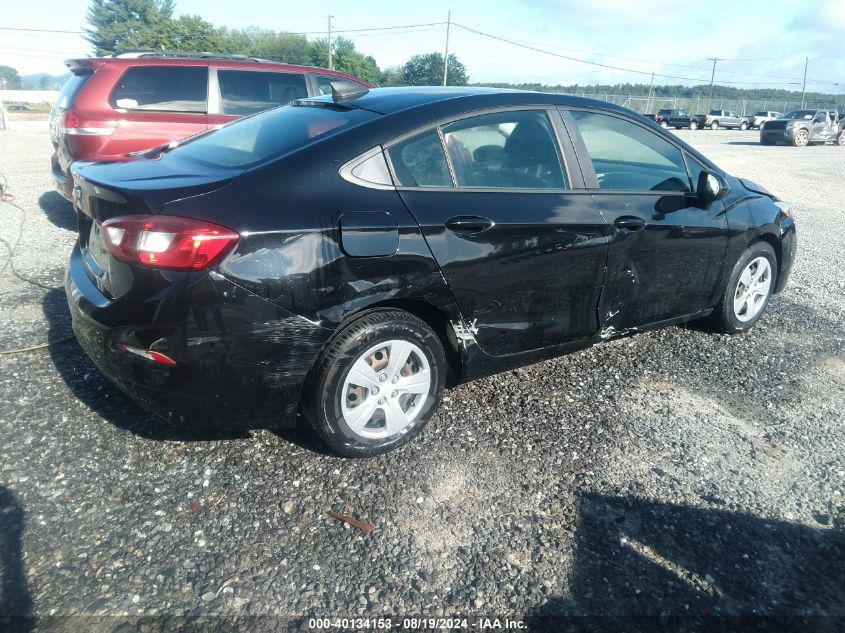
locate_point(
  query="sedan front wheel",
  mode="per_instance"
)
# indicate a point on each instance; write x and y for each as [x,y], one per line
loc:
[749,288]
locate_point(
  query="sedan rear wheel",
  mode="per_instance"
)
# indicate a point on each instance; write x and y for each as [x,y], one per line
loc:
[748,290]
[802,137]
[377,384]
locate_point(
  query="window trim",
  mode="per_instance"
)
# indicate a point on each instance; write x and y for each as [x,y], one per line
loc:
[217,95]
[549,109]
[205,112]
[586,161]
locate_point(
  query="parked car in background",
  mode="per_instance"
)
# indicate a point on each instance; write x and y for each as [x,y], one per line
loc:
[112,106]
[803,127]
[766,115]
[727,119]
[677,119]
[348,256]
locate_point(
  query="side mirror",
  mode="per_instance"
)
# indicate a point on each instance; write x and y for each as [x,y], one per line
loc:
[711,187]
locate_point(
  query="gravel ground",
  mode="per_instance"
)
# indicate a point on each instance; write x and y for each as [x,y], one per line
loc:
[672,473]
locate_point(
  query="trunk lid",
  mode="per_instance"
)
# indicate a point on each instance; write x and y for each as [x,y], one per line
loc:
[103,191]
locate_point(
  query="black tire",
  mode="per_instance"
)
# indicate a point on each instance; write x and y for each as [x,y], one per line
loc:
[723,318]
[801,139]
[322,397]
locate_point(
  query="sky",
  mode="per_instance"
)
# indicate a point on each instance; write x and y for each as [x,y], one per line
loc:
[761,43]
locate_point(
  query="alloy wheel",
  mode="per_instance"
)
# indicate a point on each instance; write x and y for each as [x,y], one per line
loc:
[802,138]
[752,289]
[385,389]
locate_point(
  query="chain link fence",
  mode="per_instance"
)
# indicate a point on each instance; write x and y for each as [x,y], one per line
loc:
[698,105]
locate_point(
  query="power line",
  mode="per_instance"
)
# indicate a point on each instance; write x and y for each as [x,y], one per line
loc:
[688,66]
[591,63]
[15,28]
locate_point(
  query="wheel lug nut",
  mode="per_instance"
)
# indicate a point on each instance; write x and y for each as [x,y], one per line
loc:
[381,400]
[375,391]
[395,380]
[382,377]
[395,393]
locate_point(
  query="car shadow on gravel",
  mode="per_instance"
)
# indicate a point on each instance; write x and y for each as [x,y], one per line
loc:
[743,143]
[58,210]
[647,566]
[15,599]
[92,388]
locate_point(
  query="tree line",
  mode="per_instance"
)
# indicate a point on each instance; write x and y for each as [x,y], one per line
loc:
[123,25]
[700,91]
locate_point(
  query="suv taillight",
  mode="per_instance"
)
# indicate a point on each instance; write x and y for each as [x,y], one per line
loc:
[172,242]
[71,123]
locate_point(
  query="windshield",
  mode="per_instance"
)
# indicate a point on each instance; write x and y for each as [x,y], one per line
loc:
[270,134]
[800,114]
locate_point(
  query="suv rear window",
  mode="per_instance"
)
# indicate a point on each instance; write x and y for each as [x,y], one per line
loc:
[71,88]
[163,89]
[250,91]
[250,141]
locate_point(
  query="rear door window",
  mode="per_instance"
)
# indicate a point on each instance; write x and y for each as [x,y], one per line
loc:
[508,150]
[245,92]
[420,162]
[162,89]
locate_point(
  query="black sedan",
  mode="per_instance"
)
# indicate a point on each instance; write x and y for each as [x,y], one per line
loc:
[348,256]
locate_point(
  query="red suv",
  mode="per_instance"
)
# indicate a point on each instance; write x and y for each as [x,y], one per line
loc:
[111,106]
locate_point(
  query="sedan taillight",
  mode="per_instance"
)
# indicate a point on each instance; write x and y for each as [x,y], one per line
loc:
[172,242]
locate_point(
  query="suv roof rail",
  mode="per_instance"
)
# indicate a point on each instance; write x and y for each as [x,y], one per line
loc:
[145,53]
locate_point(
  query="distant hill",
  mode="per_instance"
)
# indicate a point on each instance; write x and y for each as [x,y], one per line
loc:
[34,81]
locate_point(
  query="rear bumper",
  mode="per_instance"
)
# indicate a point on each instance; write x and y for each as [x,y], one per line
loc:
[240,360]
[62,179]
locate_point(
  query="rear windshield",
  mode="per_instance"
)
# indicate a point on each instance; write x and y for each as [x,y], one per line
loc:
[270,134]
[69,91]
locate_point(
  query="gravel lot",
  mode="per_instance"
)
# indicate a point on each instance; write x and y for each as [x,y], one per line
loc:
[673,473]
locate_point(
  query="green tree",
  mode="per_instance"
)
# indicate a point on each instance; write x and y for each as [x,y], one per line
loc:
[118,25]
[192,33]
[44,82]
[427,70]
[290,48]
[392,76]
[10,77]
[346,59]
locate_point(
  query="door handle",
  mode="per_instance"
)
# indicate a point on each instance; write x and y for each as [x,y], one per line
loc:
[630,222]
[469,224]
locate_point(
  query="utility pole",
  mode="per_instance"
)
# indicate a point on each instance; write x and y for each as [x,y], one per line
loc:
[804,85]
[712,77]
[446,56]
[331,65]
[648,101]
